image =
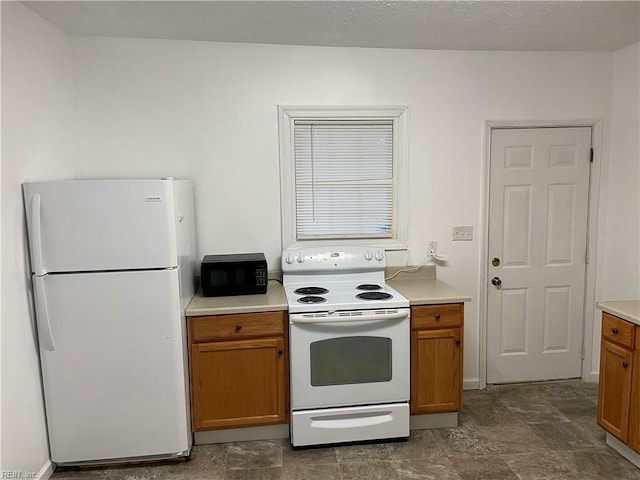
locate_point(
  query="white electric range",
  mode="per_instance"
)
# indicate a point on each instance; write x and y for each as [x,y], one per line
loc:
[349,347]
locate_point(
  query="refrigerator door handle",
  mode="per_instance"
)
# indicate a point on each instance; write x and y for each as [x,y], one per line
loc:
[42,314]
[36,237]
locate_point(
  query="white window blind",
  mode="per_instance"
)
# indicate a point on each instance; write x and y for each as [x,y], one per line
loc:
[344,179]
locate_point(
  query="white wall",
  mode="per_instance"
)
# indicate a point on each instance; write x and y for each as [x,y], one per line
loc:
[619,225]
[621,278]
[37,100]
[209,111]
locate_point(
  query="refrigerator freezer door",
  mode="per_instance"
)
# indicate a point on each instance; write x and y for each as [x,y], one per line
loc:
[115,384]
[91,225]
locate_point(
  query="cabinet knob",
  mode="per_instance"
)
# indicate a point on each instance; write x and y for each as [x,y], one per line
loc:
[625,364]
[238,327]
[437,316]
[280,352]
[614,330]
[458,341]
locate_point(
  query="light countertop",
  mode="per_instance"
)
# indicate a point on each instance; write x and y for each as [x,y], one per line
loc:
[420,286]
[627,310]
[272,301]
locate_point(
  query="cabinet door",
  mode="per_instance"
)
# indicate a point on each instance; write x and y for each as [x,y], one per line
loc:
[614,389]
[436,370]
[238,383]
[634,413]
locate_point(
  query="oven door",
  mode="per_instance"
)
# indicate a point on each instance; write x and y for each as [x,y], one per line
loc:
[349,358]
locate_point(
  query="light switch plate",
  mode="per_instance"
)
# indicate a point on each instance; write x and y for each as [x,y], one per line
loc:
[462,232]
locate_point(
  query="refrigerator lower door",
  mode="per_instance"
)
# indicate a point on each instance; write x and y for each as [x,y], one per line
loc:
[114,365]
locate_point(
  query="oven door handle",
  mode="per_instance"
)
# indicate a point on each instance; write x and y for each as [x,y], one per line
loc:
[349,319]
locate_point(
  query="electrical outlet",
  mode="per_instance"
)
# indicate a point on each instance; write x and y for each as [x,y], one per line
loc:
[462,232]
[432,247]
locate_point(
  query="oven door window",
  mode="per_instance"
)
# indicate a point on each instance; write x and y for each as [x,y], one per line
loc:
[350,360]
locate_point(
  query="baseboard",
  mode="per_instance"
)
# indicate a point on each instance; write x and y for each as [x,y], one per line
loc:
[473,384]
[591,377]
[270,432]
[433,420]
[46,471]
[623,450]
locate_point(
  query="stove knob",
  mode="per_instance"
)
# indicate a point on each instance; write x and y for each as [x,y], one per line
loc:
[289,259]
[379,255]
[368,255]
[300,258]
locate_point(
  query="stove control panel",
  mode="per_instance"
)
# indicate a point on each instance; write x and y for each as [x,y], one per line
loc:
[333,258]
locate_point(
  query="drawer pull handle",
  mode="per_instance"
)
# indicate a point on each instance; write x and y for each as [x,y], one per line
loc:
[625,364]
[280,352]
[458,341]
[437,316]
[238,327]
[614,330]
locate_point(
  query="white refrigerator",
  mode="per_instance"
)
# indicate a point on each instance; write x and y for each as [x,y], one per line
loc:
[113,270]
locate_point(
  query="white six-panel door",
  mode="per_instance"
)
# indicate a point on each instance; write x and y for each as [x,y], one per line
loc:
[538,205]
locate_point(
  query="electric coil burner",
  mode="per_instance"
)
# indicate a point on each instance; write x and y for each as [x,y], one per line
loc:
[312,299]
[349,347]
[311,291]
[374,296]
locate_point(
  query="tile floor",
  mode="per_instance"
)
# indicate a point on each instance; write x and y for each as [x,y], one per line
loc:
[544,431]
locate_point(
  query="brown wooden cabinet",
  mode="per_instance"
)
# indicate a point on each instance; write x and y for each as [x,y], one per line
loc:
[239,370]
[619,382]
[634,408]
[615,389]
[436,358]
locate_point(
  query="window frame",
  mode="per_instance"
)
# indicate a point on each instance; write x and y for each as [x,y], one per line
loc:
[398,115]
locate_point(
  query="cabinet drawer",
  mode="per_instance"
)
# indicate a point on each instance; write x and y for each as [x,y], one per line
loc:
[242,325]
[437,316]
[618,330]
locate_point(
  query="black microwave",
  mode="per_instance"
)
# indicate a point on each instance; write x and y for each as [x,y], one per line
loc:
[236,274]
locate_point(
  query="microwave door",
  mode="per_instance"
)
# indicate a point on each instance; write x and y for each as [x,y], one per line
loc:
[233,278]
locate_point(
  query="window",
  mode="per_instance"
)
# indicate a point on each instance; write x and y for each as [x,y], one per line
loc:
[343,176]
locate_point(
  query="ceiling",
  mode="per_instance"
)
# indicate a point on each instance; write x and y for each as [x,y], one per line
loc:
[435,25]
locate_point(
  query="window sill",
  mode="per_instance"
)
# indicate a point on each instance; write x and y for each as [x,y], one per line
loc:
[386,244]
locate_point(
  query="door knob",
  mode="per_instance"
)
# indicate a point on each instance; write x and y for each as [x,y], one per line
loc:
[496,281]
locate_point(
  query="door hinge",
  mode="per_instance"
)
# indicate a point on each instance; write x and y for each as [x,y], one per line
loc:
[586,257]
[582,354]
[591,156]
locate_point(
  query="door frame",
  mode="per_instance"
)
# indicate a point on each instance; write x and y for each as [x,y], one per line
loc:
[589,311]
